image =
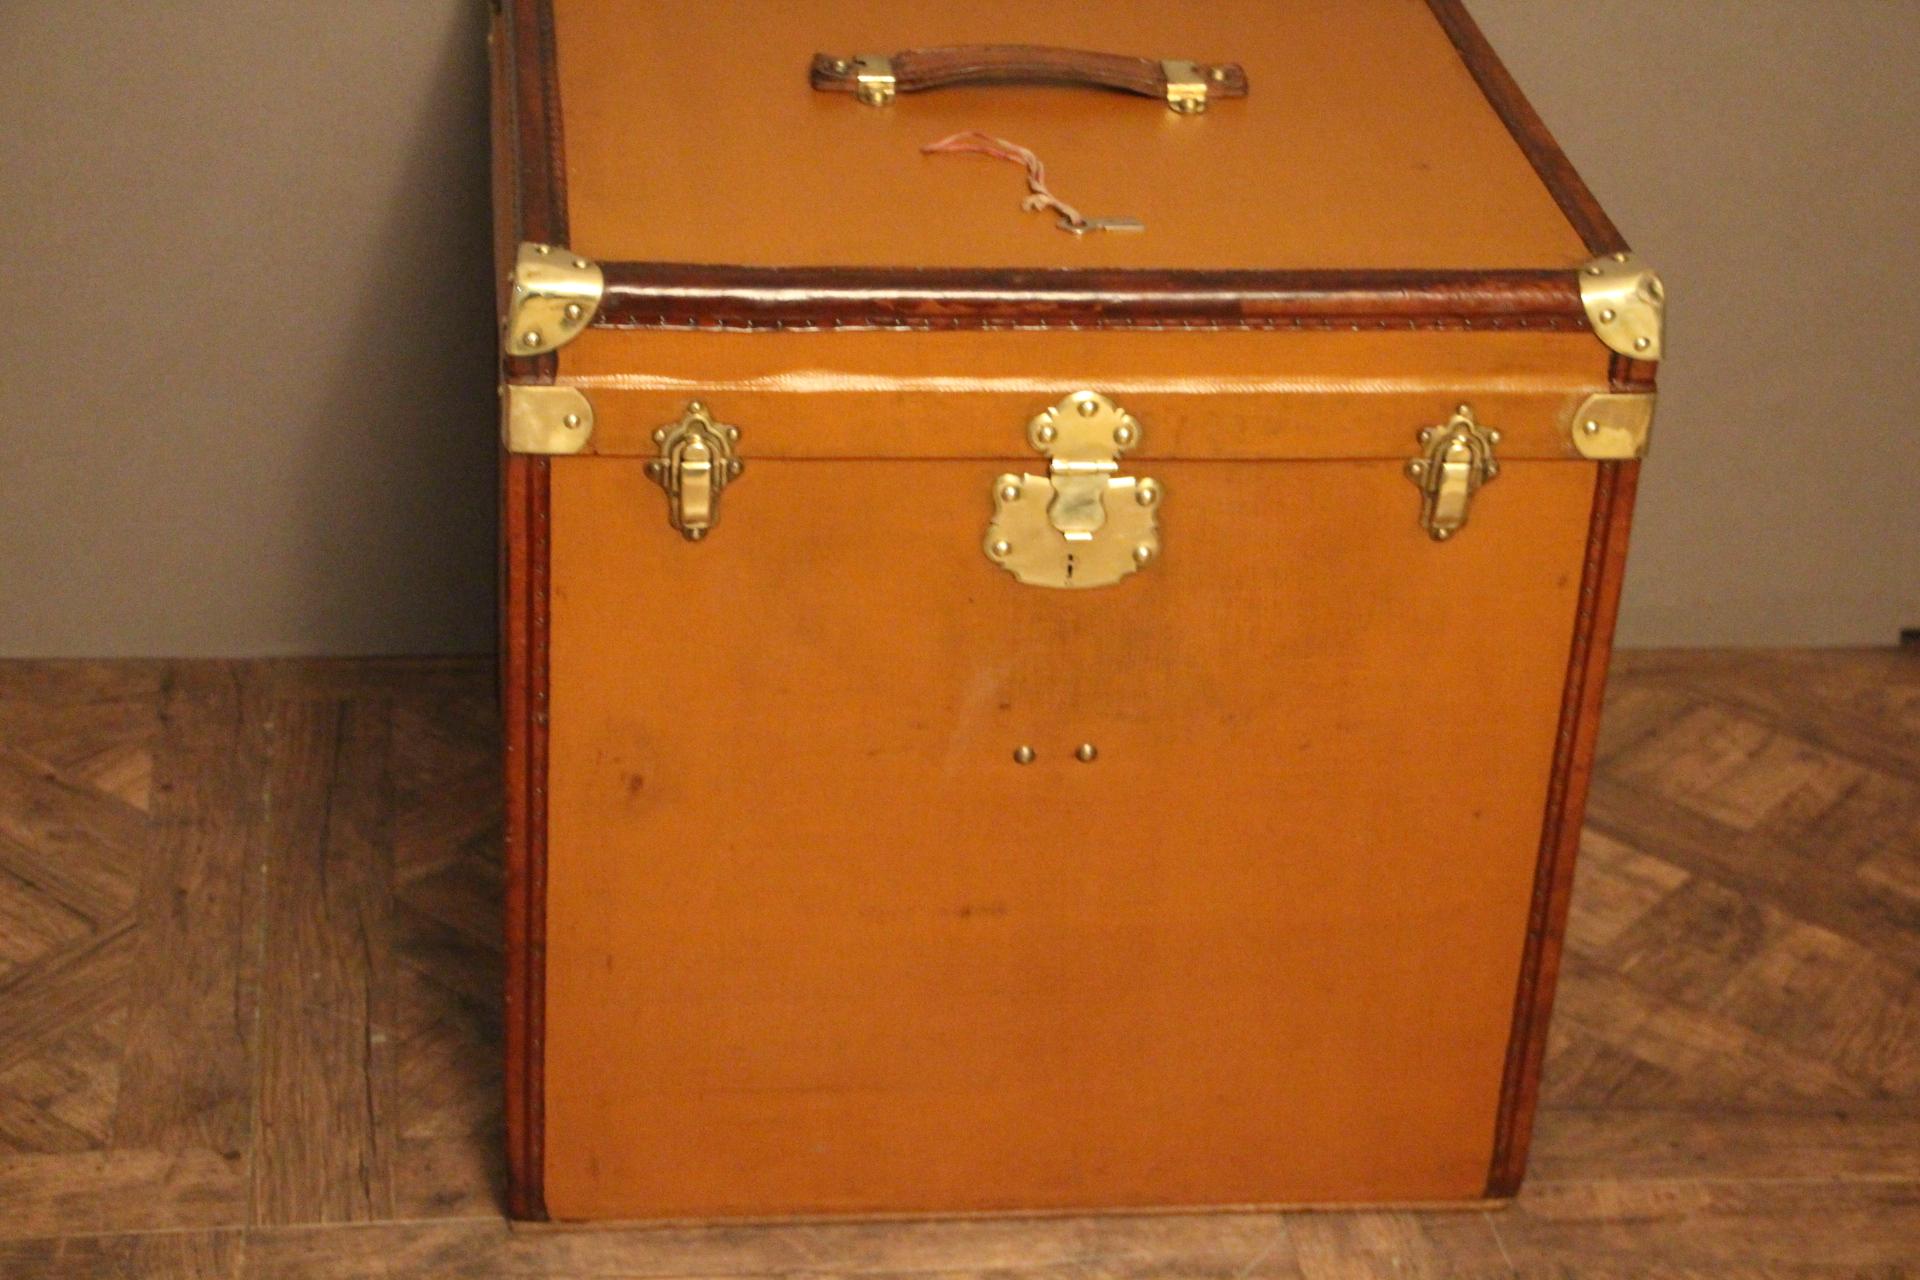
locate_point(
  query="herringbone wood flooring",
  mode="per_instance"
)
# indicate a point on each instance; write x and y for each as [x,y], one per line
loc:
[249,1020]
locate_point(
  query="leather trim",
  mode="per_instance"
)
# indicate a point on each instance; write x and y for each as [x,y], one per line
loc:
[538,146]
[658,295]
[1627,374]
[1502,92]
[1601,579]
[532,152]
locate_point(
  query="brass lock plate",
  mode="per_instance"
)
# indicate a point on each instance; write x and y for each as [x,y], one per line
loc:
[1082,524]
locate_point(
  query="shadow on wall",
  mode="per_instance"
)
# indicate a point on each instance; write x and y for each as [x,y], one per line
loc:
[399,508]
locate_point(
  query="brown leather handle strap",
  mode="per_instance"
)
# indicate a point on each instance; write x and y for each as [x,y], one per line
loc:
[1186,86]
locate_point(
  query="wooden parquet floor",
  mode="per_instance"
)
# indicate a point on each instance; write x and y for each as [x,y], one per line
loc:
[249,1021]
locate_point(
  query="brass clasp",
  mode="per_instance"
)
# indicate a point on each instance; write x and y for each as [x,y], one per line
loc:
[696,462]
[1458,460]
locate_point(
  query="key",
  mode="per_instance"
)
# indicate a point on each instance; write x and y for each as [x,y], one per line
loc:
[1101,224]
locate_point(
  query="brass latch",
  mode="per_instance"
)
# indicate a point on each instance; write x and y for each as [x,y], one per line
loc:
[696,462]
[1458,460]
[1081,524]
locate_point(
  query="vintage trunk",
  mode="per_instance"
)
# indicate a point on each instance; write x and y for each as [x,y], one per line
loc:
[1119,740]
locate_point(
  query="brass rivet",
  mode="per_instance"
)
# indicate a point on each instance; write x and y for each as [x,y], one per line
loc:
[1046,434]
[1426,435]
[735,467]
[1596,271]
[1441,535]
[1619,257]
[1086,752]
[1416,468]
[839,66]
[531,338]
[1608,315]
[1591,426]
[733,433]
[543,249]
[1123,435]
[571,420]
[1023,755]
[1493,437]
[1464,411]
[659,435]
[696,407]
[1010,492]
[1089,407]
[1002,547]
[1219,75]
[1142,553]
[573,311]
[580,263]
[1641,344]
[1145,495]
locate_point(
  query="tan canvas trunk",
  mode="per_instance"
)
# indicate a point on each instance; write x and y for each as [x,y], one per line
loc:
[1001,718]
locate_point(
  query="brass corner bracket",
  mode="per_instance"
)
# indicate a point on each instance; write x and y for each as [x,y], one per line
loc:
[555,293]
[1626,304]
[1614,426]
[1457,460]
[541,419]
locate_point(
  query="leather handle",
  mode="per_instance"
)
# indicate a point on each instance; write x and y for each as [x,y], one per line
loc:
[1185,86]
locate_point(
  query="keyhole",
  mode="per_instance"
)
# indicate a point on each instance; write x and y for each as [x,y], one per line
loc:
[1069,566]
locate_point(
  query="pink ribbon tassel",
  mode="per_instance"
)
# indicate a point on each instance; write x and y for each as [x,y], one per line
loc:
[972,140]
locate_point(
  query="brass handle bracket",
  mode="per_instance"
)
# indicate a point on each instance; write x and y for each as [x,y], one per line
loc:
[873,79]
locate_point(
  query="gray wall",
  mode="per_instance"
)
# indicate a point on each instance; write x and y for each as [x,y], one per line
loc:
[246,404]
[1762,153]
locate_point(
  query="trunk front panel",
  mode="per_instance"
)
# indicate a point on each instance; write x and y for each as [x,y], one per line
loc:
[816,942]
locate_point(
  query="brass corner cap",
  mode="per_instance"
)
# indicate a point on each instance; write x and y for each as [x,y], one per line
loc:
[544,419]
[1614,426]
[554,295]
[1626,304]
